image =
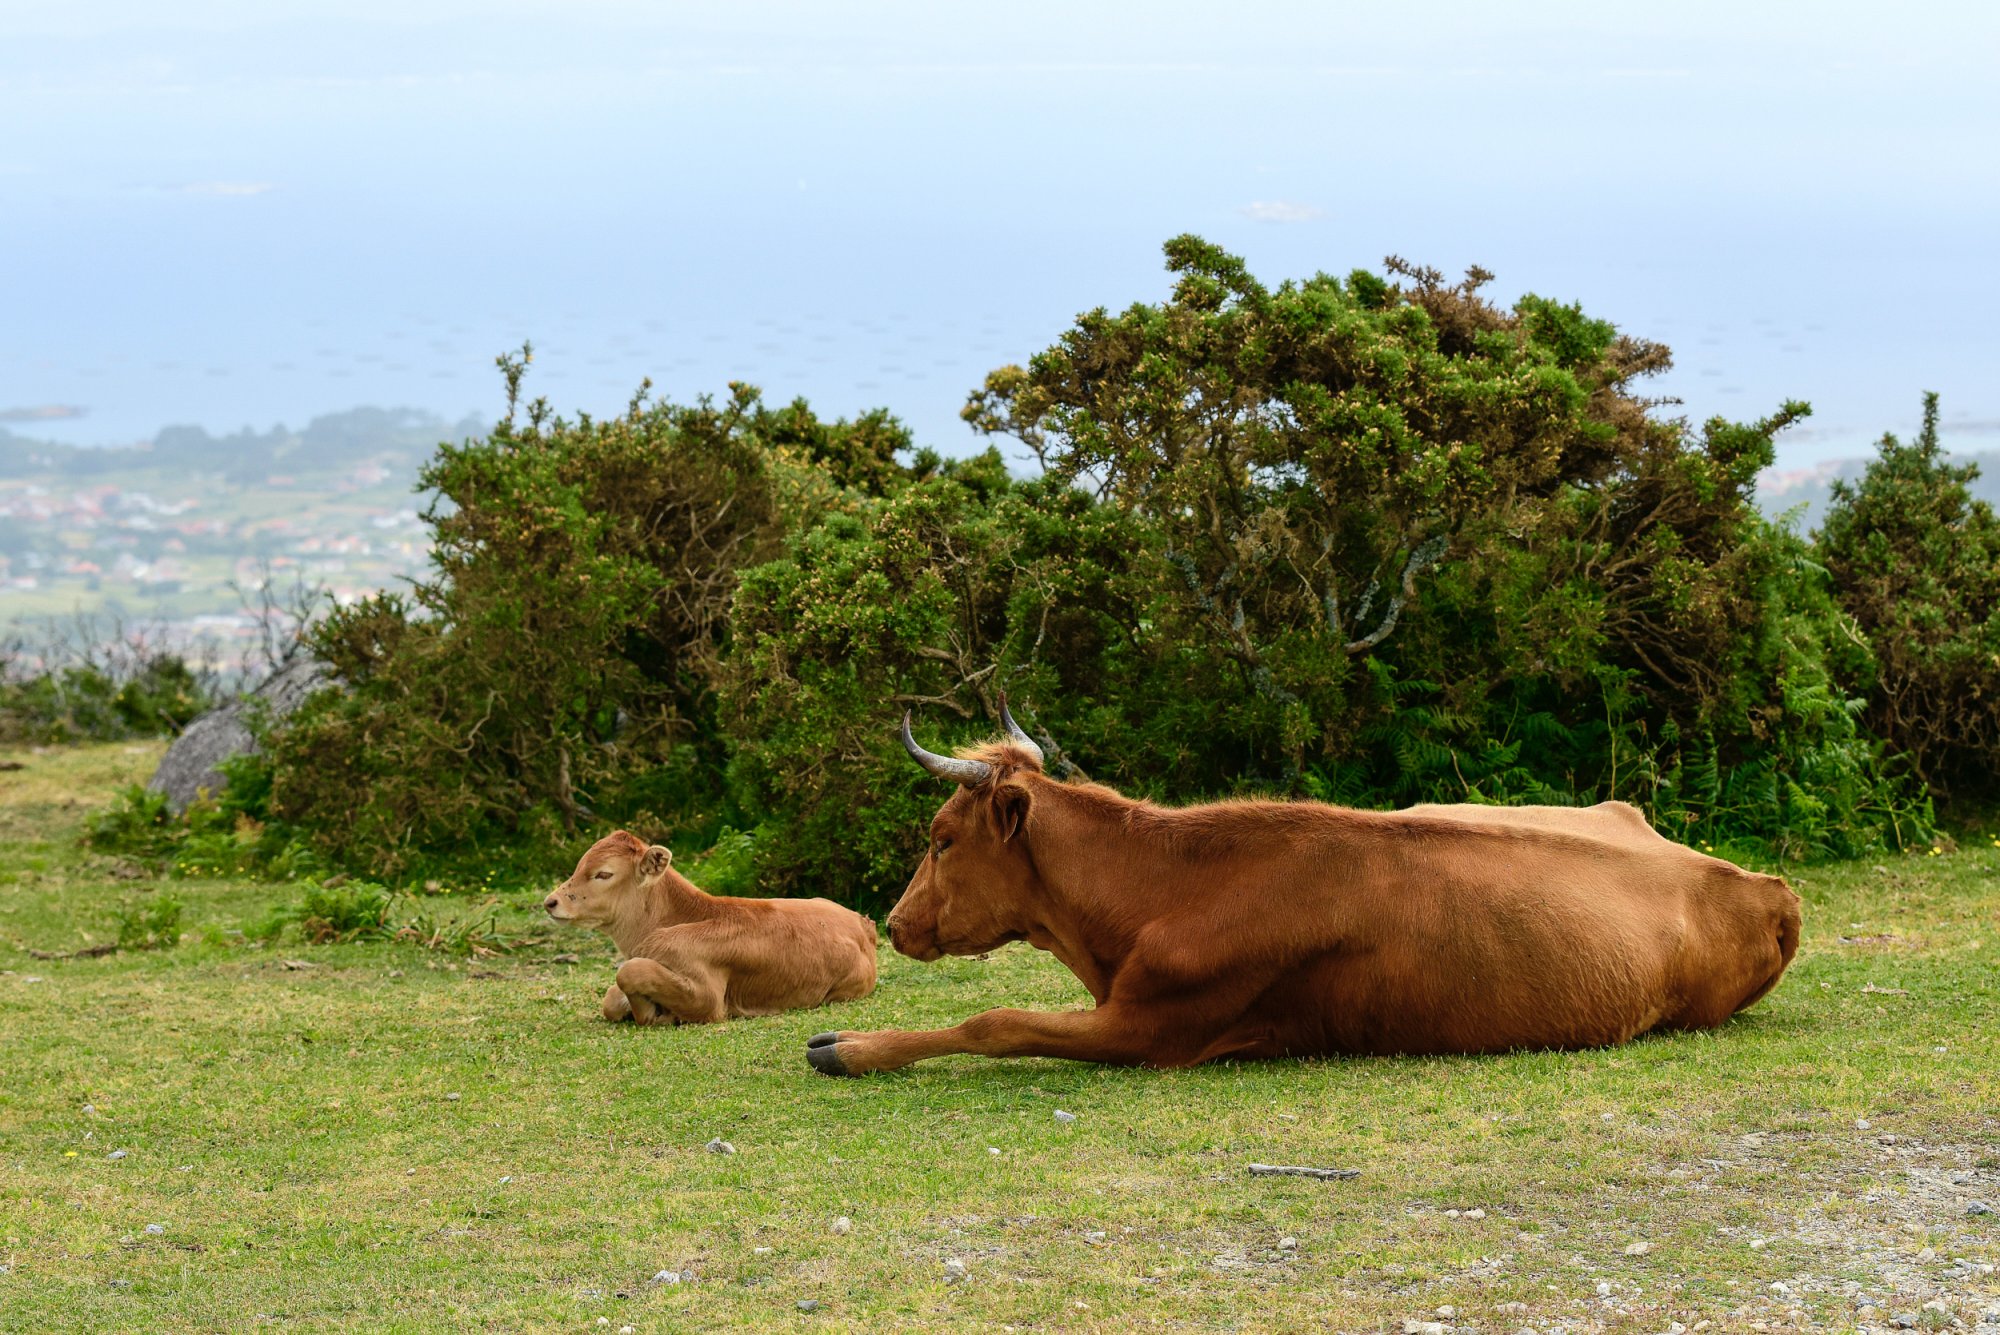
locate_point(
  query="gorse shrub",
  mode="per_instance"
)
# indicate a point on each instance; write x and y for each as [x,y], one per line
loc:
[1372,539]
[1916,560]
[223,835]
[561,659]
[146,694]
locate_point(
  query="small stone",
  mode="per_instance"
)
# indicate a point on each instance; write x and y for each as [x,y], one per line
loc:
[1451,1214]
[1603,1289]
[1862,1124]
[1447,1311]
[719,1146]
[1938,1305]
[88,1110]
[505,1180]
[1979,1207]
[993,1150]
[119,1154]
[604,1321]
[760,1251]
[1780,1288]
[1904,1321]
[807,1304]
[1676,1328]
[1638,1248]
[843,1226]
[451,1098]
[1960,1179]
[1413,1326]
[1065,1117]
[1288,1244]
[667,1277]
[954,1271]
[1475,1213]
[1758,1244]
[156,1229]
[624,1330]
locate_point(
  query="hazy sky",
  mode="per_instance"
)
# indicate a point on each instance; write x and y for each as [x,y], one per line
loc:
[230,214]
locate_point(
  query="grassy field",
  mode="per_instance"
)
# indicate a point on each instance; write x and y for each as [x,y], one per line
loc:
[388,1138]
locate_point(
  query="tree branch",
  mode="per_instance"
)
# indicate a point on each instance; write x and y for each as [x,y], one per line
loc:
[1423,558]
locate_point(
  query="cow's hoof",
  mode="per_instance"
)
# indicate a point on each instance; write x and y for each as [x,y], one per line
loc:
[823,1051]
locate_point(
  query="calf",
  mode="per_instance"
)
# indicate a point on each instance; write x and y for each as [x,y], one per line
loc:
[695,958]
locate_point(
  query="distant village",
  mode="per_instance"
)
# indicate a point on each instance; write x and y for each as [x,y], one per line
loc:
[186,551]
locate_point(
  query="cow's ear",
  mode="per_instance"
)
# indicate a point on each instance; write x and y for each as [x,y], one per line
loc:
[656,860]
[1010,810]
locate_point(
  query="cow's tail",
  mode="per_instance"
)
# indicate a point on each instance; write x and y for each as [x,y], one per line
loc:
[1790,919]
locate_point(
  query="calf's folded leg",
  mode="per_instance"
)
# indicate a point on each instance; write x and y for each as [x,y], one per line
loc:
[660,993]
[1106,1034]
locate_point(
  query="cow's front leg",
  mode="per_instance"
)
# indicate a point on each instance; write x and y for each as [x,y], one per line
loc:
[1108,1034]
[616,1007]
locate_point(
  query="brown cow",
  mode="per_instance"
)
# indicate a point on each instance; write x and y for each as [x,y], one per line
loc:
[1295,929]
[693,958]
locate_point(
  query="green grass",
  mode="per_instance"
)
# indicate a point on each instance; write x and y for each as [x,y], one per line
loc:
[294,1132]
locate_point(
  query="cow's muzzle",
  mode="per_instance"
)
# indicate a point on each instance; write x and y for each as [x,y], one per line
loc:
[918,946]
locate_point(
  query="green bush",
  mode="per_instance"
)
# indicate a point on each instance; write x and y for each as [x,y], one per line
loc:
[1916,562]
[148,695]
[221,835]
[344,912]
[151,922]
[560,660]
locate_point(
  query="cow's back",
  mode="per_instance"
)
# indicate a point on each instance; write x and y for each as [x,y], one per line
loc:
[1468,929]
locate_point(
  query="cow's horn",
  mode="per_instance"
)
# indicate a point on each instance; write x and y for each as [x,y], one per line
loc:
[969,772]
[1015,732]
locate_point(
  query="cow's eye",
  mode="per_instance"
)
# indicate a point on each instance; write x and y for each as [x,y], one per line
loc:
[940,846]
[602,876]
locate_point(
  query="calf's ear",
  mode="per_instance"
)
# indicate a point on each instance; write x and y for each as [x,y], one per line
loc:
[657,859]
[1010,810]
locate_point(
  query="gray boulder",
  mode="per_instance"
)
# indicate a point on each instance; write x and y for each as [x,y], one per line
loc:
[193,763]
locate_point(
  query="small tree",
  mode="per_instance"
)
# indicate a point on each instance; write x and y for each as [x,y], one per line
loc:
[1916,562]
[1313,454]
